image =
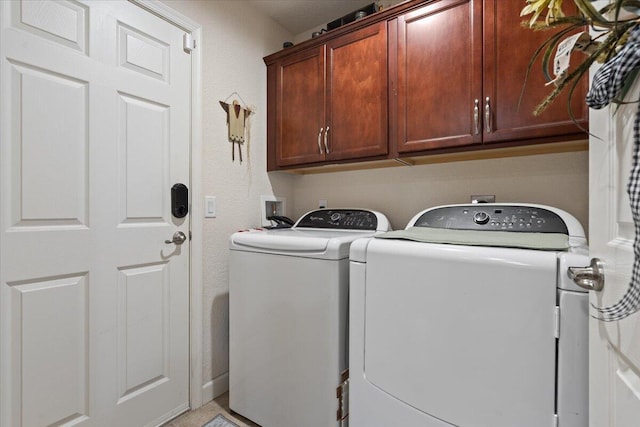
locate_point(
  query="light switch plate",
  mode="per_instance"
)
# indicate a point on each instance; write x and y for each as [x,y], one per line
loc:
[210,207]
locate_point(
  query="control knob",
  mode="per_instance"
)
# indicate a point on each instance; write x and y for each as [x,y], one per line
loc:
[481,218]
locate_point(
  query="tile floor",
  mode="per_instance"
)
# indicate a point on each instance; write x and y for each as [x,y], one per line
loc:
[201,416]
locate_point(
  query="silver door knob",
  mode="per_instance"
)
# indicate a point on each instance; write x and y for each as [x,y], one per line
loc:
[590,278]
[178,238]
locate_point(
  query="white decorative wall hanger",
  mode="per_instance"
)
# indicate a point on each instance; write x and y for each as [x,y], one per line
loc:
[237,123]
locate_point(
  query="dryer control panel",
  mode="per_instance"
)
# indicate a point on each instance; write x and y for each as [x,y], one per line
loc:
[339,219]
[493,218]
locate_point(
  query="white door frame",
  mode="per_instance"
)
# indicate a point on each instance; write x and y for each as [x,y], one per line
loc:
[195,289]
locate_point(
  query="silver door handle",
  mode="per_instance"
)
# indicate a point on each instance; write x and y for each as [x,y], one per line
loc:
[476,117]
[178,238]
[487,116]
[326,145]
[590,278]
[320,140]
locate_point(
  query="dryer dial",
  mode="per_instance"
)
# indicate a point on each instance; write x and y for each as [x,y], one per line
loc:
[481,217]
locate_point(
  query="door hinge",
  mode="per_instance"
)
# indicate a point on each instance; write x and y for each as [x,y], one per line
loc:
[188,42]
[557,322]
[342,393]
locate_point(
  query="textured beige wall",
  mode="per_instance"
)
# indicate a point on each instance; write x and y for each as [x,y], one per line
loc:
[559,180]
[235,38]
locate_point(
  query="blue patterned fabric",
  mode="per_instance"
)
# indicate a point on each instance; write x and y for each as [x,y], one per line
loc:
[606,86]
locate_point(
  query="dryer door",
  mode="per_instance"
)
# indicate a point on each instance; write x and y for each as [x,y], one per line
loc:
[464,334]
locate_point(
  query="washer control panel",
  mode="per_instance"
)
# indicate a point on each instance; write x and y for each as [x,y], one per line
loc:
[339,219]
[491,217]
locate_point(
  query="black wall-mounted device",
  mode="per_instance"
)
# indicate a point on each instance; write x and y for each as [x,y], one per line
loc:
[179,200]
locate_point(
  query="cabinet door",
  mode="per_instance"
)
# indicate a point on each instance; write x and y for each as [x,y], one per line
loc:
[357,105]
[508,48]
[439,76]
[300,99]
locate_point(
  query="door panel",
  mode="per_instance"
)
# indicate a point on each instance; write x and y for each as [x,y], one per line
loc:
[143,336]
[144,155]
[508,48]
[64,340]
[614,347]
[300,108]
[95,129]
[424,75]
[63,22]
[357,94]
[44,193]
[142,53]
[148,130]
[443,326]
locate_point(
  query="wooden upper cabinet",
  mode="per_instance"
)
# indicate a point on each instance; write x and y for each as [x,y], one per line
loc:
[299,107]
[458,73]
[419,78]
[357,108]
[436,76]
[508,49]
[329,102]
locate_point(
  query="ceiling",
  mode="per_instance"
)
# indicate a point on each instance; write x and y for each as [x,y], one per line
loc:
[300,15]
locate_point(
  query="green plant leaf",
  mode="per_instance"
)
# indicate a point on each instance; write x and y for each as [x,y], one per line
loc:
[554,41]
[587,9]
[547,47]
[607,46]
[608,43]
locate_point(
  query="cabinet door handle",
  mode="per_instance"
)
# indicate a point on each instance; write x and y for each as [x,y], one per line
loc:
[476,117]
[326,144]
[320,140]
[487,116]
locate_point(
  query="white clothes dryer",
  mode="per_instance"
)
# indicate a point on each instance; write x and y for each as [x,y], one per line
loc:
[288,302]
[467,318]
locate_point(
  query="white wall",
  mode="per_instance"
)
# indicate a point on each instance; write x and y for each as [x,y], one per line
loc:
[559,180]
[235,39]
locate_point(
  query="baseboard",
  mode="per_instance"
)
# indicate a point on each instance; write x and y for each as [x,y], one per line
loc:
[215,387]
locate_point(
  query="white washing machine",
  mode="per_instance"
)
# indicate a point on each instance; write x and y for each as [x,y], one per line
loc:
[467,318]
[288,302]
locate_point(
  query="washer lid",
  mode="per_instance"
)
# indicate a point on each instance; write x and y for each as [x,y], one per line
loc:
[310,243]
[322,234]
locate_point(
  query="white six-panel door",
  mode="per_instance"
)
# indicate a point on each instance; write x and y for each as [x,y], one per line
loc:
[95,122]
[614,346]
